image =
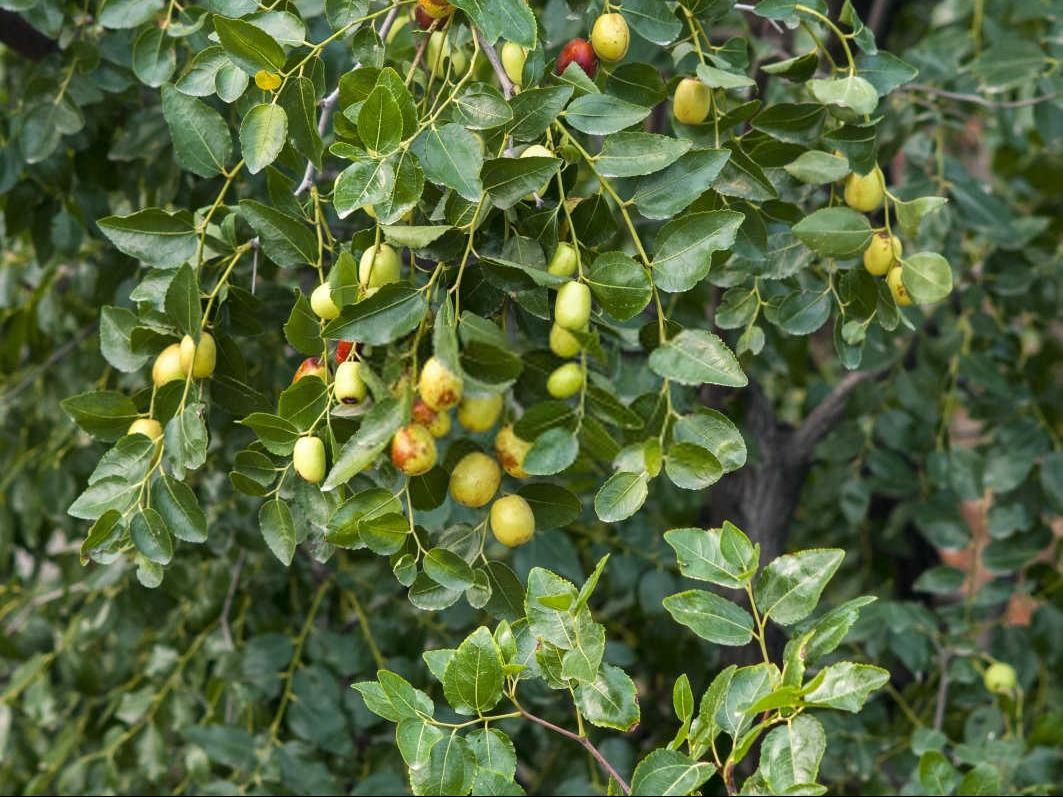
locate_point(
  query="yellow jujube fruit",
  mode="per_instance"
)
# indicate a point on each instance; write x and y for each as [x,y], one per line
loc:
[378,266]
[538,151]
[565,261]
[479,413]
[691,101]
[610,37]
[999,677]
[511,451]
[321,302]
[563,343]
[440,388]
[348,382]
[200,357]
[167,366]
[896,286]
[512,521]
[308,458]
[865,192]
[436,9]
[513,58]
[413,450]
[883,251]
[565,381]
[475,480]
[149,427]
[572,308]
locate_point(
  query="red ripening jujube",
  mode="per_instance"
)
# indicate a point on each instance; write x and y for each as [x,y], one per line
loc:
[344,349]
[311,366]
[424,20]
[580,51]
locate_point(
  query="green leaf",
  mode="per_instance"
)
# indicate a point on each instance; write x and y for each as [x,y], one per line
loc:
[285,239]
[186,440]
[602,114]
[277,434]
[937,775]
[746,686]
[665,193]
[652,20]
[111,493]
[496,761]
[384,317]
[202,143]
[910,214]
[151,537]
[711,617]
[684,247]
[365,182]
[473,681]
[105,534]
[852,92]
[249,47]
[380,121]
[794,123]
[509,19]
[179,509]
[927,276]
[480,106]
[885,71]
[719,79]
[116,326]
[154,57]
[123,14]
[669,772]
[393,698]
[803,312]
[262,135]
[834,232]
[981,779]
[845,686]
[723,556]
[451,156]
[104,414]
[697,357]
[372,437]
[788,589]
[535,109]
[790,754]
[692,467]
[130,459]
[158,238]
[816,167]
[636,154]
[415,739]
[620,285]
[508,180]
[714,431]
[278,529]
[449,771]
[552,452]
[182,301]
[299,100]
[447,569]
[622,495]
[610,700]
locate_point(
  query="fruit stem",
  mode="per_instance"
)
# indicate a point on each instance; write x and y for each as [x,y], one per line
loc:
[834,29]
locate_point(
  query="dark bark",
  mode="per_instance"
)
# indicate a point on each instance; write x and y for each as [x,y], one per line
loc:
[23,38]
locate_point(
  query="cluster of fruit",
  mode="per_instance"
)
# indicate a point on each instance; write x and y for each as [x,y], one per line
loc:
[866,193]
[178,361]
[610,38]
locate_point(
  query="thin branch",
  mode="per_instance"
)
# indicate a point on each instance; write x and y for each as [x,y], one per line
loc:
[822,419]
[750,9]
[496,64]
[978,99]
[227,606]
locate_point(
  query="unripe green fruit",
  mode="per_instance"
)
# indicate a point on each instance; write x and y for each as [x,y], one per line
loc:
[563,343]
[479,413]
[512,521]
[349,385]
[378,266]
[438,50]
[999,677]
[883,251]
[413,450]
[149,427]
[167,366]
[565,260]
[321,302]
[440,388]
[610,37]
[511,451]
[437,423]
[896,286]
[199,358]
[475,480]
[572,308]
[537,151]
[691,101]
[865,192]
[513,58]
[308,458]
[565,381]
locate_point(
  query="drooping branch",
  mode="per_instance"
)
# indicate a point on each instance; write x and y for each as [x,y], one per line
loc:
[496,64]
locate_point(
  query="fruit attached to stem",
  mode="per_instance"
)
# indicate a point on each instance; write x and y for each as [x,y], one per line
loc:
[896,286]
[149,427]
[565,261]
[343,350]
[199,358]
[511,451]
[610,37]
[436,9]
[572,308]
[865,192]
[167,366]
[311,366]
[512,521]
[321,302]
[565,381]
[999,677]
[513,58]
[378,266]
[475,479]
[883,251]
[349,384]
[437,423]
[563,343]
[440,388]
[308,458]
[413,450]
[691,101]
[479,413]
[580,52]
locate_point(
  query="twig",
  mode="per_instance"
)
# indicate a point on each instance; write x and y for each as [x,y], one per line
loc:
[584,741]
[750,9]
[978,99]
[496,64]
[328,105]
[227,606]
[822,419]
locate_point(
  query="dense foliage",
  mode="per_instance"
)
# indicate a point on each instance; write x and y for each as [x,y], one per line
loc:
[652,397]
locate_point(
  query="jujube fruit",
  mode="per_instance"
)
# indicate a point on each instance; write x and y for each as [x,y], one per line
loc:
[610,37]
[896,286]
[167,366]
[439,387]
[565,261]
[436,9]
[479,413]
[199,358]
[691,101]
[378,266]
[437,423]
[423,18]
[511,451]
[865,192]
[565,381]
[512,520]
[572,308]
[513,57]
[321,302]
[413,450]
[344,349]
[149,427]
[563,343]
[348,384]
[580,52]
[475,479]
[999,677]
[538,151]
[308,458]
[311,366]
[883,251]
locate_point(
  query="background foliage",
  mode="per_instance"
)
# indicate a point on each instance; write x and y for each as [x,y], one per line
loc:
[924,443]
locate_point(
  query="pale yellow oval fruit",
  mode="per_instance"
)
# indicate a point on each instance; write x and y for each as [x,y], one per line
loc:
[999,677]
[565,261]
[413,450]
[572,308]
[512,520]
[200,357]
[167,366]
[513,58]
[349,386]
[563,343]
[896,286]
[308,458]
[691,101]
[538,151]
[149,427]
[610,37]
[883,251]
[475,479]
[865,192]
[439,387]
[479,413]
[378,266]
[565,381]
[321,302]
[511,451]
